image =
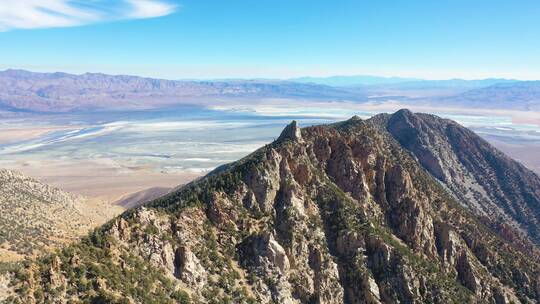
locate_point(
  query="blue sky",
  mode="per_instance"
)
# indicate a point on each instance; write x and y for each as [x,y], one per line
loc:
[274,39]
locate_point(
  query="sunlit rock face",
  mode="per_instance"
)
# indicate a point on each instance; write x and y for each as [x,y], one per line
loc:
[487,182]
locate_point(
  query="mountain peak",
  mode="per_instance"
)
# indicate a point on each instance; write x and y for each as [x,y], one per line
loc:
[355,118]
[292,132]
[403,113]
[459,158]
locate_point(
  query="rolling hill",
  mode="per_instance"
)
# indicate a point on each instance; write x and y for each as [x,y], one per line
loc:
[37,217]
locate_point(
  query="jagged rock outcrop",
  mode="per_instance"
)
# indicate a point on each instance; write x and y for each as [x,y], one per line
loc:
[341,213]
[291,132]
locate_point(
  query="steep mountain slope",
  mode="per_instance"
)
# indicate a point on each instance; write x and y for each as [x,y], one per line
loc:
[140,197]
[496,188]
[60,92]
[35,216]
[327,214]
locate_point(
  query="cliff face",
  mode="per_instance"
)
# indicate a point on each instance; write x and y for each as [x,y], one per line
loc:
[327,214]
[498,189]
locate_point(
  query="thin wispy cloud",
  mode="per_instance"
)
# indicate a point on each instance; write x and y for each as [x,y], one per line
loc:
[150,9]
[33,14]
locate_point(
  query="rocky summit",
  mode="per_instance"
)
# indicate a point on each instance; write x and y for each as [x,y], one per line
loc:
[500,191]
[401,208]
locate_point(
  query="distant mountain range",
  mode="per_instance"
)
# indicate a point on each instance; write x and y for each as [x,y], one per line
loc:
[349,81]
[490,93]
[61,92]
[524,95]
[49,92]
[398,82]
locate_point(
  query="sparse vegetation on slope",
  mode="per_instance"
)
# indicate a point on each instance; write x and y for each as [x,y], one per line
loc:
[36,217]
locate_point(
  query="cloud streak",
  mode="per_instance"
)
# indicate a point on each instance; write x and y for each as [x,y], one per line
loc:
[150,9]
[34,14]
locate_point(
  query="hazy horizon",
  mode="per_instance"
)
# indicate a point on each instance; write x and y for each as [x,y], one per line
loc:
[397,78]
[178,39]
